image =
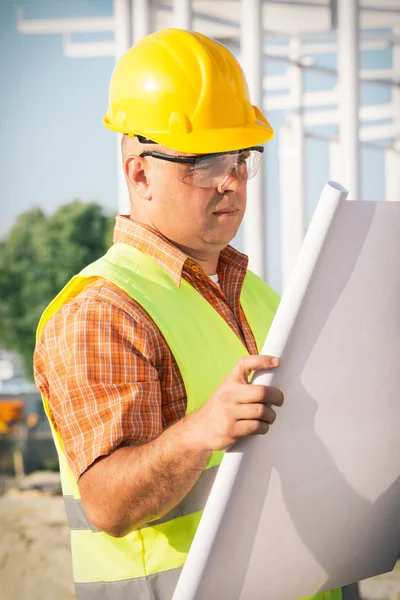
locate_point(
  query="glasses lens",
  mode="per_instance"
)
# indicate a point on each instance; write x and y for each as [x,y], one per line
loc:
[214,170]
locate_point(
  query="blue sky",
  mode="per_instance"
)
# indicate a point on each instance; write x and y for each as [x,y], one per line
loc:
[55,149]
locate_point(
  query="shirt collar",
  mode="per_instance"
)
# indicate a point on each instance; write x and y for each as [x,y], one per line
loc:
[162,251]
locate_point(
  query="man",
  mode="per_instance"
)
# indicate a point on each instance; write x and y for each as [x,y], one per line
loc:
[143,359]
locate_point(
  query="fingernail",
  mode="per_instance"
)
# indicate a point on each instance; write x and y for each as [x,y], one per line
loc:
[274,362]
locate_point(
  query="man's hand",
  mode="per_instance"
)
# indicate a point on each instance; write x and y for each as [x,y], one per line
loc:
[137,484]
[236,408]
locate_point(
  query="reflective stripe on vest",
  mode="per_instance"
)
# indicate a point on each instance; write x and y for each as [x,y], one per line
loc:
[193,502]
[145,562]
[159,586]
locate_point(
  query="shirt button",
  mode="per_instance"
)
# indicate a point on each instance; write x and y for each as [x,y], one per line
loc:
[196,269]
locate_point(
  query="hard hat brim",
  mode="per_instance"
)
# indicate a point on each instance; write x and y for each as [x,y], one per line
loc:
[208,141]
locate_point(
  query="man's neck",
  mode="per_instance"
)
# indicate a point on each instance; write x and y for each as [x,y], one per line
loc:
[207,263]
[209,266]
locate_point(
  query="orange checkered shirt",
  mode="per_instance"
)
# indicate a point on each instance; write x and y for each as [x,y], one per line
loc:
[103,364]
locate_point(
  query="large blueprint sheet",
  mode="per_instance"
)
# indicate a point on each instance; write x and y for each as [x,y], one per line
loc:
[315,504]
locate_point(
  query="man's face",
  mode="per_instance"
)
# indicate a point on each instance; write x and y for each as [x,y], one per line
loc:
[202,220]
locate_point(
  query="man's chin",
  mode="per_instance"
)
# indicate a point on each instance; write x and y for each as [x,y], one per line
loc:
[222,240]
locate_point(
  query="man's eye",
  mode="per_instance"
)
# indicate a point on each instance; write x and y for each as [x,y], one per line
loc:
[203,168]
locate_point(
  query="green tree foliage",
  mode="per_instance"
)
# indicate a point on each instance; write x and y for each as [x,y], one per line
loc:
[37,258]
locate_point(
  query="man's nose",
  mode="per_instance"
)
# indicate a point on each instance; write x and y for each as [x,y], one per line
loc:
[231,181]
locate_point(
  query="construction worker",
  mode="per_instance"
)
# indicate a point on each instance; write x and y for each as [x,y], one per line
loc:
[144,357]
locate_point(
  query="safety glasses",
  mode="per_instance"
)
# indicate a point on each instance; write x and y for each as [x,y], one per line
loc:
[213,170]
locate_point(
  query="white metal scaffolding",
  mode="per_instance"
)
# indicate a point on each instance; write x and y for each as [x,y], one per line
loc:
[348,60]
[251,43]
[293,33]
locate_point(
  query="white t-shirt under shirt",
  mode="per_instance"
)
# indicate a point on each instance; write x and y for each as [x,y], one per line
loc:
[215,279]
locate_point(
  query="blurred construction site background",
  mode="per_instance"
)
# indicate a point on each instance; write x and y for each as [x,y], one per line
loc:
[327,74]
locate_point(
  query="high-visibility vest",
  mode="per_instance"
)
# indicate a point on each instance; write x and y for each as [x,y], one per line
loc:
[146,563]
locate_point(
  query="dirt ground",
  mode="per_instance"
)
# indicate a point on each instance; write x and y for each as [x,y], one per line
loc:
[35,559]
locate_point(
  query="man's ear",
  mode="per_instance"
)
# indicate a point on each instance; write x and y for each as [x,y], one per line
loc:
[135,171]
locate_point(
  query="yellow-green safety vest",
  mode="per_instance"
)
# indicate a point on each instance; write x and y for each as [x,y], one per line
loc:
[146,563]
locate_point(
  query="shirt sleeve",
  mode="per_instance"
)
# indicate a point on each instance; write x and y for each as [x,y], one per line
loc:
[96,365]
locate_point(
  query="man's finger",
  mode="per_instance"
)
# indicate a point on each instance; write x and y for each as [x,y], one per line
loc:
[259,412]
[273,395]
[248,364]
[264,394]
[248,427]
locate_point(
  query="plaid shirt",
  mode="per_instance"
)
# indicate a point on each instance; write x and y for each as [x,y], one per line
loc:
[104,366]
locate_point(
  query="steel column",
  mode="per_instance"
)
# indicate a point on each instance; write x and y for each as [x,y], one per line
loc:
[140,19]
[183,14]
[392,156]
[348,67]
[123,40]
[251,44]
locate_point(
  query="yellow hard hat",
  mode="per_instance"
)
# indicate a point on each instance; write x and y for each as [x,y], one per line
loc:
[185,91]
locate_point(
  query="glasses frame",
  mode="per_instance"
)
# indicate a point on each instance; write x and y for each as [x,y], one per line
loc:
[193,160]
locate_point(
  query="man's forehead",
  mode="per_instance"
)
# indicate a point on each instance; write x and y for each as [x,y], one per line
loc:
[173,152]
[137,145]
